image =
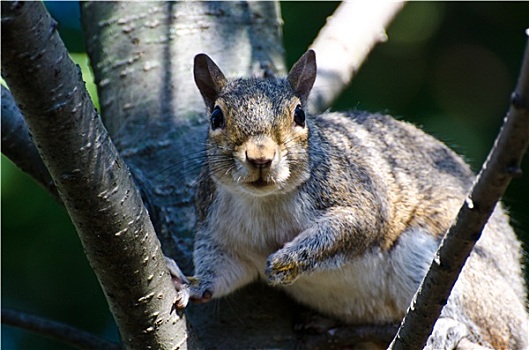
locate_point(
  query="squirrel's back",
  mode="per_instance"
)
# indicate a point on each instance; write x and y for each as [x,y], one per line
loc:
[422,181]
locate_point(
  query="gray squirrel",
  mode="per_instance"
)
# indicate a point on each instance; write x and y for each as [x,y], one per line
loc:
[343,211]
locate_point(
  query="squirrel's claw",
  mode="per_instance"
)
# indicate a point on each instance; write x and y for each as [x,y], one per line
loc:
[281,268]
[188,288]
[177,275]
[183,297]
[181,283]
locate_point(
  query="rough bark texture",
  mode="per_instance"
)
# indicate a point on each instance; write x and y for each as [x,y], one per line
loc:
[502,164]
[94,183]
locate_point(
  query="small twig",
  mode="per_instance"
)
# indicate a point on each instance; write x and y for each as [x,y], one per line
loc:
[18,146]
[344,43]
[56,330]
[502,164]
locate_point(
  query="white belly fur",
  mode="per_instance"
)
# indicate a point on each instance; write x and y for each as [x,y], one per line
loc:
[375,288]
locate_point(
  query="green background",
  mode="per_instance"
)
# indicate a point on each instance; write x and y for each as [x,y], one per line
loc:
[447,67]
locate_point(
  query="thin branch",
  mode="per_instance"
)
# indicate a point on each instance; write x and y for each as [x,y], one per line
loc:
[94,183]
[502,164]
[56,330]
[344,43]
[18,146]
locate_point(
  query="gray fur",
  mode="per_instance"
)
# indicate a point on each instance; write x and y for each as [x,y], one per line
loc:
[347,215]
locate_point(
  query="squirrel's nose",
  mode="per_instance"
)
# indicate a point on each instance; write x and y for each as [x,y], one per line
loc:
[259,162]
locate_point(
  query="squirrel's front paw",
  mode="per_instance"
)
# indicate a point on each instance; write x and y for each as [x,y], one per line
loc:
[188,288]
[199,292]
[283,267]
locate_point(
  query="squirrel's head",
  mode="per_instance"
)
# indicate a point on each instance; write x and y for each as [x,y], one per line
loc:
[258,134]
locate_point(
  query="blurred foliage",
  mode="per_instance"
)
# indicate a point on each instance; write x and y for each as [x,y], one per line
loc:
[448,67]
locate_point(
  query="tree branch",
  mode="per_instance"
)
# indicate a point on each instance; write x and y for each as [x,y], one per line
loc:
[94,183]
[56,330]
[343,44]
[502,164]
[18,146]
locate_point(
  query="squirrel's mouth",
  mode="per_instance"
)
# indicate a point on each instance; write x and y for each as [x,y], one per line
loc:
[259,183]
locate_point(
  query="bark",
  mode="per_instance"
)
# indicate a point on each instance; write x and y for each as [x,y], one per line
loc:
[502,164]
[94,183]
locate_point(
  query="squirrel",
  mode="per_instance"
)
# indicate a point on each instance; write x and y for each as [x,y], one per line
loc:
[343,211]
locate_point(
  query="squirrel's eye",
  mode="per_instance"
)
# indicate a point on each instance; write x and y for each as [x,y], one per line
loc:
[217,118]
[299,116]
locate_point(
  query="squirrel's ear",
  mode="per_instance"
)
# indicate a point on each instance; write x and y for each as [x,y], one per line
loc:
[303,74]
[209,79]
